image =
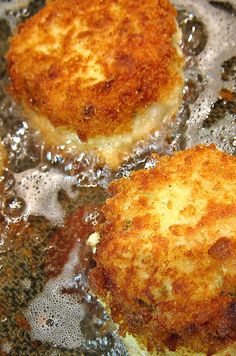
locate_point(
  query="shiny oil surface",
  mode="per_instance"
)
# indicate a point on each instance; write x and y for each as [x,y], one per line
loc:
[49,204]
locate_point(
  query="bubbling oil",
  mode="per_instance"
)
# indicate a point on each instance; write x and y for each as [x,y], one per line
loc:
[49,204]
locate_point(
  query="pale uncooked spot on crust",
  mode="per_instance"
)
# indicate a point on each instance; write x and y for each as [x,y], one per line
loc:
[93,240]
[3,157]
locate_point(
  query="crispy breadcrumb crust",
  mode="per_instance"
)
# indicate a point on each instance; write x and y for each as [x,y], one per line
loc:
[166,259]
[90,65]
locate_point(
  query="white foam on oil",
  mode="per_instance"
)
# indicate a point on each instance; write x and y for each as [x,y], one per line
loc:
[40,191]
[55,317]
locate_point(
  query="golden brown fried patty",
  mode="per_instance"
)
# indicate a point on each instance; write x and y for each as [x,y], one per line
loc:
[2,157]
[166,261]
[91,67]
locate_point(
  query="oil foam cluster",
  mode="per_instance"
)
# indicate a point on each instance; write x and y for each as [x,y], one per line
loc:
[39,189]
[55,317]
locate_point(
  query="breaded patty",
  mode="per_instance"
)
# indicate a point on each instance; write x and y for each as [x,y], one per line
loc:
[2,157]
[98,75]
[166,260]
